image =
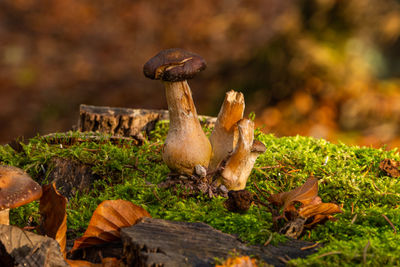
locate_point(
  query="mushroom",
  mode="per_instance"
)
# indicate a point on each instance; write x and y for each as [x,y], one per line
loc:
[186,144]
[224,137]
[239,165]
[16,189]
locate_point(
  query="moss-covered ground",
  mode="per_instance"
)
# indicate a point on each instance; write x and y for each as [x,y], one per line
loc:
[348,176]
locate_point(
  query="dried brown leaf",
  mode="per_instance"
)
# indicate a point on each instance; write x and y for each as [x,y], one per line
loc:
[243,261]
[107,220]
[305,194]
[54,217]
[390,167]
[319,212]
[321,208]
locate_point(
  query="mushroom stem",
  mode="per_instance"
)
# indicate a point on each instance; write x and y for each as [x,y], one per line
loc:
[239,165]
[180,104]
[186,144]
[224,137]
[5,216]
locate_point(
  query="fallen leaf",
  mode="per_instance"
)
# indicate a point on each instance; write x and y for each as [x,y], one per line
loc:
[54,217]
[244,261]
[318,212]
[107,220]
[305,194]
[311,211]
[391,167]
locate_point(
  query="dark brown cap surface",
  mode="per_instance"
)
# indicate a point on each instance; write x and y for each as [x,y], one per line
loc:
[173,65]
[17,188]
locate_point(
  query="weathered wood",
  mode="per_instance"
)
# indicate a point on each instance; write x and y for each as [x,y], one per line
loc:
[123,121]
[71,176]
[23,248]
[156,242]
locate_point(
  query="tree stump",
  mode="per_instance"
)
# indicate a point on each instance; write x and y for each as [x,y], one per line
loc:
[124,121]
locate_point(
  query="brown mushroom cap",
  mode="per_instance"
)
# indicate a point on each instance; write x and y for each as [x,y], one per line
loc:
[17,188]
[174,65]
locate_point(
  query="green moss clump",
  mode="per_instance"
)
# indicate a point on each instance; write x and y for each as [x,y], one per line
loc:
[348,176]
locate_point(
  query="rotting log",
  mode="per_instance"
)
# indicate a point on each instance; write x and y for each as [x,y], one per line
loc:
[157,242]
[23,248]
[124,121]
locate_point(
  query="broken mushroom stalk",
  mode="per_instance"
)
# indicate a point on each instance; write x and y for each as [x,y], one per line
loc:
[16,189]
[224,136]
[239,165]
[186,144]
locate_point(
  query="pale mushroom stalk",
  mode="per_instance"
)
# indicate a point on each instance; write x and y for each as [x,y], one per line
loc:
[186,144]
[5,216]
[224,137]
[239,165]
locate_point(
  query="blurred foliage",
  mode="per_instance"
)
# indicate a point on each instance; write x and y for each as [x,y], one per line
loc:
[325,68]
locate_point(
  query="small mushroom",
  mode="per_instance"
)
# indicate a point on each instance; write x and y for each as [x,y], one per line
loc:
[16,189]
[224,137]
[239,165]
[186,144]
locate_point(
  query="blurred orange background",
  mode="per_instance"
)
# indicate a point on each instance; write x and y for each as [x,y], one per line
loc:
[323,68]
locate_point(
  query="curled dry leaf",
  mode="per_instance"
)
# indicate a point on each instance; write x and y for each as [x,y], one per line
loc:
[107,220]
[306,194]
[390,167]
[318,212]
[311,211]
[54,217]
[244,261]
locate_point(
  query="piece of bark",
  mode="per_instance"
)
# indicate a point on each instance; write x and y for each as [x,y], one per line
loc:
[27,249]
[71,176]
[124,121]
[156,242]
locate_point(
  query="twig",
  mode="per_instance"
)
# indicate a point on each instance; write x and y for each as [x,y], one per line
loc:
[308,247]
[91,149]
[270,167]
[391,224]
[329,253]
[155,194]
[323,171]
[268,241]
[354,219]
[282,259]
[259,190]
[365,252]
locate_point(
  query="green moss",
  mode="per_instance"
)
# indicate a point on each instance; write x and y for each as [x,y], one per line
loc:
[349,176]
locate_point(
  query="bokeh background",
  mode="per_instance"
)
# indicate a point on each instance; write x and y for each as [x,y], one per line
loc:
[323,68]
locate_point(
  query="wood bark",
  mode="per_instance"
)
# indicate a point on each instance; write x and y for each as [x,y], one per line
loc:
[23,248]
[156,242]
[71,176]
[124,121]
